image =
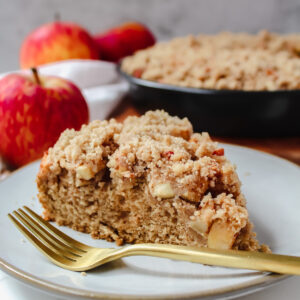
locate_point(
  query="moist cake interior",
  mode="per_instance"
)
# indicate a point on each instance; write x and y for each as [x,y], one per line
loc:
[147,180]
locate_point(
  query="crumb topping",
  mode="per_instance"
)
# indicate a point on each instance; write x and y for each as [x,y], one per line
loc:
[155,148]
[89,147]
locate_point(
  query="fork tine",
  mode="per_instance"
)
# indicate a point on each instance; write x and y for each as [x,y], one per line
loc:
[57,233]
[47,235]
[44,239]
[55,258]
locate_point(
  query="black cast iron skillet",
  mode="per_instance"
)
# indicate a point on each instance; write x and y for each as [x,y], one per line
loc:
[222,112]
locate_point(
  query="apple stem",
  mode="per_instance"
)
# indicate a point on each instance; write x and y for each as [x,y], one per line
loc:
[36,75]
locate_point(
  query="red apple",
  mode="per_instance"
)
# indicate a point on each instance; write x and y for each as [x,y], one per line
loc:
[124,40]
[57,41]
[33,112]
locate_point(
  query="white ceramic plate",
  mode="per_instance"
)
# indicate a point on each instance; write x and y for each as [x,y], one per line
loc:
[271,186]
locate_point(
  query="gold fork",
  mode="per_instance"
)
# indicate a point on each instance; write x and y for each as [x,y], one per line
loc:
[70,254]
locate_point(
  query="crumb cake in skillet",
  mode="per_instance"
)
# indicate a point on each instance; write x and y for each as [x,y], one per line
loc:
[231,61]
[147,180]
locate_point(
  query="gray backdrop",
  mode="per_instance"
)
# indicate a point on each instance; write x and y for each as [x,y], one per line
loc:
[167,18]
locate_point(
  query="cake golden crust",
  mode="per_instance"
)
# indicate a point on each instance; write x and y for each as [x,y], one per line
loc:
[150,179]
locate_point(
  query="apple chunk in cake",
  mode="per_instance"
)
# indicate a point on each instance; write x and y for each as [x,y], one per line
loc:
[147,180]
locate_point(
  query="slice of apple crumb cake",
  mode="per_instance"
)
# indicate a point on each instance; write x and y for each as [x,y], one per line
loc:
[147,180]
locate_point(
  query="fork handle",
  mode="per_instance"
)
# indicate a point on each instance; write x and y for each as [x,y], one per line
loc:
[226,258]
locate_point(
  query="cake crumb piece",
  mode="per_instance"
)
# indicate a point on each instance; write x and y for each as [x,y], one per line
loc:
[83,273]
